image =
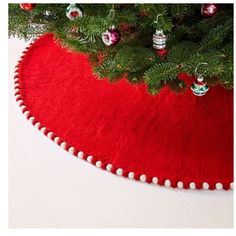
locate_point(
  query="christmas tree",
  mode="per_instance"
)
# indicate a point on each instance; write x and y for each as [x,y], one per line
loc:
[146,43]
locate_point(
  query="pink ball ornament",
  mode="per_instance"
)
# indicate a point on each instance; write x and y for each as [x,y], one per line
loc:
[209,10]
[111,36]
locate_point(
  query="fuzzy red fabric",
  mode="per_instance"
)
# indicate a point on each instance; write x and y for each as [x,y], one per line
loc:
[172,137]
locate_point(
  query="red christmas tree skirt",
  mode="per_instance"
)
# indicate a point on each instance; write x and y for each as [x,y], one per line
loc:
[174,140]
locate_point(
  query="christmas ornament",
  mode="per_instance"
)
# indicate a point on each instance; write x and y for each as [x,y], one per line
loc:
[111,36]
[73,12]
[162,52]
[159,39]
[27,6]
[209,10]
[199,87]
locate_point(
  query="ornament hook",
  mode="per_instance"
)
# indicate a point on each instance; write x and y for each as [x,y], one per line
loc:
[156,21]
[111,13]
[200,63]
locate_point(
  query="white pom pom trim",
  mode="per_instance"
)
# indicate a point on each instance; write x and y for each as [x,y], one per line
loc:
[154,180]
[131,175]
[219,186]
[109,167]
[37,125]
[192,185]
[205,185]
[167,183]
[31,119]
[56,139]
[80,155]
[89,159]
[143,178]
[26,113]
[98,164]
[71,150]
[50,134]
[63,145]
[43,129]
[119,171]
[180,184]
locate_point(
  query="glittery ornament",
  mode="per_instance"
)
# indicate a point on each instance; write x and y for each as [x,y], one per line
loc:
[209,10]
[159,40]
[111,36]
[27,6]
[199,87]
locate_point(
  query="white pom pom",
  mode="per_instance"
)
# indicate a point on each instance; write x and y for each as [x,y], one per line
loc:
[37,125]
[43,130]
[167,183]
[56,139]
[108,167]
[119,171]
[26,113]
[192,185]
[180,184]
[17,96]
[232,186]
[20,102]
[80,155]
[219,186]
[155,180]
[89,159]
[50,134]
[31,119]
[71,150]
[142,178]
[205,185]
[63,145]
[98,164]
[131,175]
[17,90]
[23,107]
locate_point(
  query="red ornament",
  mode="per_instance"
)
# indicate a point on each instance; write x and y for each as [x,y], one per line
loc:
[27,6]
[74,14]
[209,10]
[162,52]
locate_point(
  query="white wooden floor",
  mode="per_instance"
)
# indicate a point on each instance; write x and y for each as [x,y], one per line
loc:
[50,188]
